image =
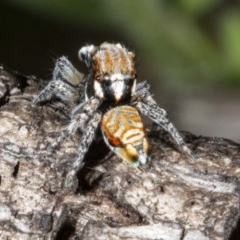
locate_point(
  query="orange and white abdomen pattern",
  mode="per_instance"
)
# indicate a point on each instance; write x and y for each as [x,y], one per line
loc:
[124,133]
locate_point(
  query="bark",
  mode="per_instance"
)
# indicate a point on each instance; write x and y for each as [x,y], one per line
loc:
[174,198]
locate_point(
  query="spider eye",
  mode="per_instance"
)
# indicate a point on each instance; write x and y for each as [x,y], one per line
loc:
[107,83]
[128,81]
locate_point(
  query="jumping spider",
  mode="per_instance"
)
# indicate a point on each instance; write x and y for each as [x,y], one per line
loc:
[111,95]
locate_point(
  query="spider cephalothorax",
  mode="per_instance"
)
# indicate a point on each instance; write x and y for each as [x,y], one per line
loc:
[111,82]
[113,71]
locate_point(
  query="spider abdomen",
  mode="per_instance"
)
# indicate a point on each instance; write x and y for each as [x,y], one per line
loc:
[124,133]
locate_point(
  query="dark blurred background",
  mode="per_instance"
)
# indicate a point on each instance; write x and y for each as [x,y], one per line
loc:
[189,50]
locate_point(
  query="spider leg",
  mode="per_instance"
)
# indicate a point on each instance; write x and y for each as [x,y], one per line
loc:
[67,83]
[142,89]
[85,143]
[85,54]
[80,116]
[145,103]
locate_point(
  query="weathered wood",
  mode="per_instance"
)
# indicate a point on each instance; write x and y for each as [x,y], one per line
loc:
[175,198]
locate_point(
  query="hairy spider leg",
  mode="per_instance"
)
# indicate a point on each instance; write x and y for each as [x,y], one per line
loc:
[148,107]
[80,116]
[67,84]
[86,141]
[142,89]
[85,54]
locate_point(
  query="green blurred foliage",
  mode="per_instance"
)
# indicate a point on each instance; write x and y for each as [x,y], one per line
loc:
[197,7]
[187,42]
[230,40]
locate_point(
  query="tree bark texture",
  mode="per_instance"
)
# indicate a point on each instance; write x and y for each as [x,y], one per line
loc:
[174,198]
